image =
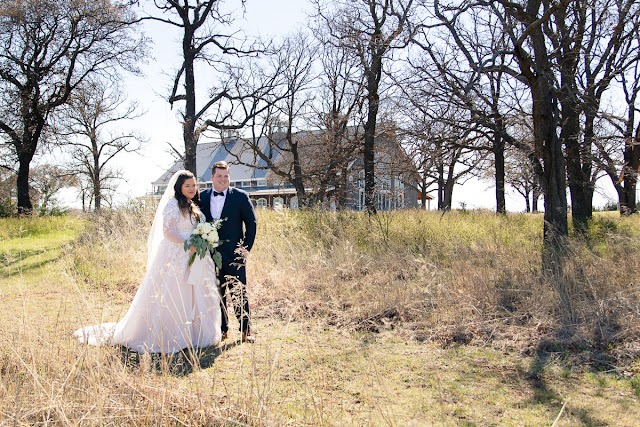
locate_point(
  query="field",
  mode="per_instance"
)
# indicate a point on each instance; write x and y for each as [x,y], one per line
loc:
[408,318]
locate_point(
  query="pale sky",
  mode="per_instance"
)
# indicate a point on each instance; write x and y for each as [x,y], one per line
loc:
[161,125]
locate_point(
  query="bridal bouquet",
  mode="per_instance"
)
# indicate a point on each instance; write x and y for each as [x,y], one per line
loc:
[205,238]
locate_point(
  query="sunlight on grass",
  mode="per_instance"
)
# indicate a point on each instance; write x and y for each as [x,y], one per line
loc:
[412,318]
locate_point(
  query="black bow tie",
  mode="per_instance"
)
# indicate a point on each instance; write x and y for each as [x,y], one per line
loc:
[215,193]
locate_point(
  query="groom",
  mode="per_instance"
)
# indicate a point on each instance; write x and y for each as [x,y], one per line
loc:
[235,208]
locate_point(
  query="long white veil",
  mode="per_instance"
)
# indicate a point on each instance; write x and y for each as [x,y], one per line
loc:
[175,318]
[156,234]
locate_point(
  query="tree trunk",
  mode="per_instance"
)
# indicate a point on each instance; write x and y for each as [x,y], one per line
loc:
[373,100]
[630,171]
[441,204]
[95,178]
[189,124]
[578,156]
[498,151]
[22,184]
[298,178]
[190,145]
[448,195]
[578,183]
[97,195]
[549,148]
[423,195]
[98,203]
[25,150]
[535,195]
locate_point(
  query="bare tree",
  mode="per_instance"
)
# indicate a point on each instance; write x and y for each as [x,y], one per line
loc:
[524,27]
[48,48]
[631,135]
[371,30]
[93,129]
[617,150]
[520,176]
[208,40]
[47,180]
[274,142]
[594,43]
[443,149]
[448,73]
[336,116]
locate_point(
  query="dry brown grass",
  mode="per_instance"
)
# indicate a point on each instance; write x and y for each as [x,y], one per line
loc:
[457,278]
[412,317]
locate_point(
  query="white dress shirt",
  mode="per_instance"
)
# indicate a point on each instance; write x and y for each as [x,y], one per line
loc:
[217,203]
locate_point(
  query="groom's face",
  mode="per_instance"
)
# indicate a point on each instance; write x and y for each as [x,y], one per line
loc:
[220,178]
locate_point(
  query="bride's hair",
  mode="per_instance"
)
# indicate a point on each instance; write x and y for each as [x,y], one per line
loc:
[187,207]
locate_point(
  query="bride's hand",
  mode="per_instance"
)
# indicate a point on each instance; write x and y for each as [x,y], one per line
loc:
[192,249]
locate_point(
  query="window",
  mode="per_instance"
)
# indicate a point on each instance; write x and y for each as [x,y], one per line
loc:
[245,184]
[278,203]
[384,183]
[261,203]
[383,202]
[232,184]
[361,204]
[293,203]
[379,202]
[262,183]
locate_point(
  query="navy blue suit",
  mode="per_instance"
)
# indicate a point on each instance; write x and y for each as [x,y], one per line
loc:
[238,228]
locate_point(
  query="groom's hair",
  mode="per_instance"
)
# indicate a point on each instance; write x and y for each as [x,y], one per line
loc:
[219,165]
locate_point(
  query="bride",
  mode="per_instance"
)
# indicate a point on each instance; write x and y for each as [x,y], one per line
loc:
[172,309]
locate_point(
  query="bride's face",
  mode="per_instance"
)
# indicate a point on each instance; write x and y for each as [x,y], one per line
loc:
[189,188]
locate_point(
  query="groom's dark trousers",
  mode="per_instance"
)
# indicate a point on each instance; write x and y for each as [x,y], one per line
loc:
[238,229]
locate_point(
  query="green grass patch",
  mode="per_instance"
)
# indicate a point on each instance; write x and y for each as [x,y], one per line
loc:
[32,243]
[11,228]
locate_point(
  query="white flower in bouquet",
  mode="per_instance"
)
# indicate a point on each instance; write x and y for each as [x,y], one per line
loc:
[212,236]
[205,238]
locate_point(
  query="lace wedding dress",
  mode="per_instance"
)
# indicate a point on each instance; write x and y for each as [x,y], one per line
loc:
[171,310]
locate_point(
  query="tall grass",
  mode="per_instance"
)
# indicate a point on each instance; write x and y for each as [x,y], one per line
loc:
[460,278]
[111,252]
[456,277]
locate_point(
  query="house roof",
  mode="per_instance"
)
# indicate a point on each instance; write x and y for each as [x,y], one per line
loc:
[209,153]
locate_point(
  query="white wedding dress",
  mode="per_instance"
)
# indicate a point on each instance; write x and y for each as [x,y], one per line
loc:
[172,309]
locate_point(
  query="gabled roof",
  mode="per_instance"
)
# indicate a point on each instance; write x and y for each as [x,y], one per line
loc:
[211,152]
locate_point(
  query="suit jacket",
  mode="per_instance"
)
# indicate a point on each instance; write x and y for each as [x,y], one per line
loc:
[237,212]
